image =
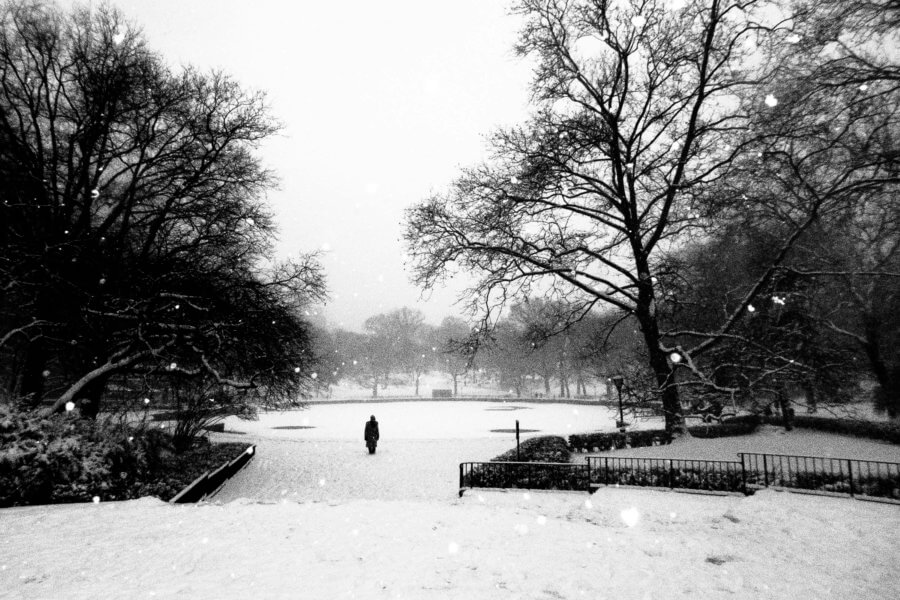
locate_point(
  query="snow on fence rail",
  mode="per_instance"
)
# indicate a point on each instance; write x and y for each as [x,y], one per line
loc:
[211,481]
[819,475]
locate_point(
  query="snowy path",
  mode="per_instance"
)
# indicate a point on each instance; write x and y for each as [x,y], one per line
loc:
[337,470]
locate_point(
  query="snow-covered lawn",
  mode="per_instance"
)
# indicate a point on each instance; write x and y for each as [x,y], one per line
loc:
[619,544]
[767,440]
[431,420]
[422,444]
[326,520]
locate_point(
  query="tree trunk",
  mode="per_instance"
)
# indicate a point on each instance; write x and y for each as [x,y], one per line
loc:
[455,376]
[31,387]
[809,390]
[888,381]
[88,399]
[659,364]
[787,411]
[375,387]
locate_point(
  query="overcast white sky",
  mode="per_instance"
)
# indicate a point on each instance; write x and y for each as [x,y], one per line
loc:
[382,102]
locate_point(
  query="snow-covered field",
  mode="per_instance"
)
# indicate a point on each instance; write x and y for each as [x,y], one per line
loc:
[317,517]
[431,420]
[618,544]
[421,446]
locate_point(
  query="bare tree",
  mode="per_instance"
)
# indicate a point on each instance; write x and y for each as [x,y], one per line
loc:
[639,109]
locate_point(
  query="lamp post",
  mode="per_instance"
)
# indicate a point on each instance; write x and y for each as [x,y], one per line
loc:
[617,381]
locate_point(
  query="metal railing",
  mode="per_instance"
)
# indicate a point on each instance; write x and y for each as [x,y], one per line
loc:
[844,476]
[841,476]
[705,475]
[524,475]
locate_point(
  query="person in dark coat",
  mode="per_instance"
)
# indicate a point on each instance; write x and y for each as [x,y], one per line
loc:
[371,434]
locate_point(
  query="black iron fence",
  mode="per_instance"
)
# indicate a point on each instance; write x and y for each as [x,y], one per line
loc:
[841,476]
[705,475]
[525,475]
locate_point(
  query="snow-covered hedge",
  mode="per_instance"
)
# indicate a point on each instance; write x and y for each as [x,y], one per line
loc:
[545,448]
[62,459]
[607,441]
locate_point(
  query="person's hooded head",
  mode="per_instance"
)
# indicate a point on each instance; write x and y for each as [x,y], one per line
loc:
[372,418]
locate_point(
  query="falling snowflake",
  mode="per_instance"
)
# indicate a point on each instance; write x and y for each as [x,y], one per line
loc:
[146,400]
[296,369]
[675,357]
[638,21]
[672,515]
[771,100]
[792,39]
[315,375]
[321,483]
[70,406]
[751,308]
[173,366]
[863,87]
[521,529]
[526,496]
[45,373]
[95,193]
[102,280]
[452,548]
[588,504]
[631,516]
[514,180]
[96,499]
[118,37]
[541,520]
[326,247]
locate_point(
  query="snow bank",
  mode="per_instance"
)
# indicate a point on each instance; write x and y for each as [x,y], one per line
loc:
[623,544]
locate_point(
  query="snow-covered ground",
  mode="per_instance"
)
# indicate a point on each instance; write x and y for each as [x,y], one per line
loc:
[621,544]
[421,446]
[431,420]
[768,440]
[322,519]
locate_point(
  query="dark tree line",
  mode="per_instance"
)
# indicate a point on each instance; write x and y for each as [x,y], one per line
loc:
[135,238]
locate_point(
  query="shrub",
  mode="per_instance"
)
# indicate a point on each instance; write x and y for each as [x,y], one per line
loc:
[62,459]
[676,475]
[547,448]
[743,425]
[618,440]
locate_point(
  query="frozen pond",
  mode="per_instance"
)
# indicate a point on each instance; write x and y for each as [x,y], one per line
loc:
[423,420]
